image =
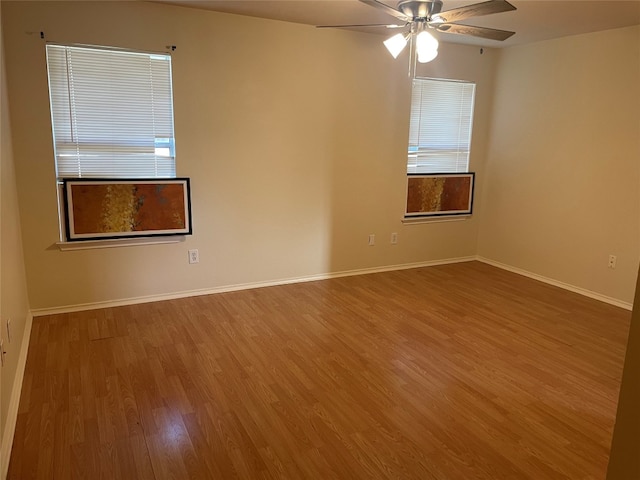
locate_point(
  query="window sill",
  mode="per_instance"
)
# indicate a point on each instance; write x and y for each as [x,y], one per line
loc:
[124,242]
[419,220]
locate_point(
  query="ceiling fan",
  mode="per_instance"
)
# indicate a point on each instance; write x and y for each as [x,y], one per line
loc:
[421,15]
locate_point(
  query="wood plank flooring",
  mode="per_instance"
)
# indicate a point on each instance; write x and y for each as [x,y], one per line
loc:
[456,372]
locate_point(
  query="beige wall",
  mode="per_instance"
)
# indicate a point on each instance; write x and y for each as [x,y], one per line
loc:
[13,290]
[563,169]
[294,139]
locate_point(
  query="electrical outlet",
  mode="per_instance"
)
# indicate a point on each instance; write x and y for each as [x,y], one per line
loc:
[612,261]
[9,330]
[394,238]
[194,256]
[372,239]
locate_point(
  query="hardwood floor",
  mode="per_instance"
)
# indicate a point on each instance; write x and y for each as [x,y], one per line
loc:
[456,372]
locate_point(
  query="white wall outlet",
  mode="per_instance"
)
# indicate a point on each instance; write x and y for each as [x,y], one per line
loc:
[372,239]
[394,238]
[194,256]
[612,261]
[9,330]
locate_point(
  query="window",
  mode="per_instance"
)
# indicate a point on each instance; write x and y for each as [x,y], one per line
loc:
[440,126]
[438,184]
[112,113]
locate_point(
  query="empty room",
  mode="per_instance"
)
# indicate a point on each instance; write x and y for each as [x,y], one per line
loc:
[320,239]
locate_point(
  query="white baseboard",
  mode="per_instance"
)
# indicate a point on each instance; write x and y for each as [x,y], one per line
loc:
[325,276]
[557,283]
[14,400]
[244,286]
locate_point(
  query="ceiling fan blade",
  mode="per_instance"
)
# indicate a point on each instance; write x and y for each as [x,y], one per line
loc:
[482,32]
[475,10]
[363,25]
[389,10]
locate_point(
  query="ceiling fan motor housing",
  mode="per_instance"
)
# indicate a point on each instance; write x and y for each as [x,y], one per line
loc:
[420,9]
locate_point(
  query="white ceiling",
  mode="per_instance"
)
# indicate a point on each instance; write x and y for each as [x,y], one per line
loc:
[534,20]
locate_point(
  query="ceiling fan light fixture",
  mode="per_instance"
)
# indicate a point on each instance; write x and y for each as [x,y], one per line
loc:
[427,57]
[426,47]
[396,44]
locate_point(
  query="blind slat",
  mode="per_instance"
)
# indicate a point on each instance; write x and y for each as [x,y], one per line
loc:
[112,112]
[440,126]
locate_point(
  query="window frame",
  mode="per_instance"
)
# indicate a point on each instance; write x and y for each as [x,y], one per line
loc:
[164,141]
[465,100]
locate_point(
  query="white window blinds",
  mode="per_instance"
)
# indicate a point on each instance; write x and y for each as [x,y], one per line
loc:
[112,112]
[440,126]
